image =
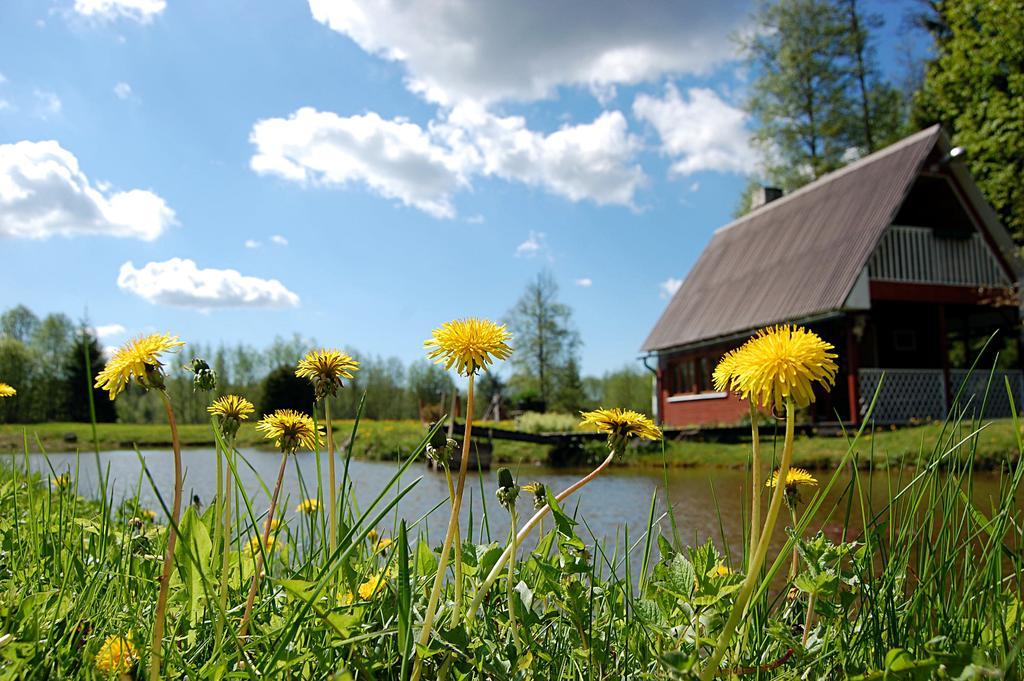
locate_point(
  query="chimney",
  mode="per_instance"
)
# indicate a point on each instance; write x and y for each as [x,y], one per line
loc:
[763,195]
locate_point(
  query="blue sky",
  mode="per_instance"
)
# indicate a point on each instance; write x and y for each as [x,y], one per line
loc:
[359,171]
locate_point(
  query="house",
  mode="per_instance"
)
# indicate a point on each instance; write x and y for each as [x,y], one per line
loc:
[896,259]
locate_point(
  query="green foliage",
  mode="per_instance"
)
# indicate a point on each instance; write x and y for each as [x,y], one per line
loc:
[817,96]
[282,389]
[544,339]
[975,87]
[78,380]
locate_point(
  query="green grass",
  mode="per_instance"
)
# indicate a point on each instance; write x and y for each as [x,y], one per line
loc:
[930,589]
[389,439]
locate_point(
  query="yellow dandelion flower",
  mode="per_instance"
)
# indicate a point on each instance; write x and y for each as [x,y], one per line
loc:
[325,369]
[254,544]
[468,344]
[6,390]
[290,430]
[309,507]
[621,423]
[782,363]
[147,514]
[721,570]
[371,587]
[275,524]
[724,376]
[117,654]
[794,478]
[345,598]
[383,544]
[62,481]
[372,535]
[138,358]
[231,407]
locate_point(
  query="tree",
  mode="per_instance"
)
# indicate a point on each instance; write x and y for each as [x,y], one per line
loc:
[543,336]
[19,368]
[19,323]
[817,98]
[570,394]
[79,379]
[430,386]
[974,87]
[282,389]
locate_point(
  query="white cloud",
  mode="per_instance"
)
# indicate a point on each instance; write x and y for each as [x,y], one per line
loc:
[423,167]
[4,104]
[700,132]
[105,330]
[476,219]
[3,79]
[141,11]
[669,287]
[592,161]
[279,240]
[487,51]
[123,90]
[181,283]
[585,282]
[694,186]
[47,103]
[534,244]
[252,243]
[395,158]
[43,192]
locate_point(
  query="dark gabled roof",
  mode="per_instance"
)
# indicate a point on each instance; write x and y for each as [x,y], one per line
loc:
[794,258]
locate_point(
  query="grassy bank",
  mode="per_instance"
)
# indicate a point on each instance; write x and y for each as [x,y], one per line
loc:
[387,439]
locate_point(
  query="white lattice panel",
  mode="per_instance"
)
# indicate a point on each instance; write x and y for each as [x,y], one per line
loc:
[997,404]
[904,395]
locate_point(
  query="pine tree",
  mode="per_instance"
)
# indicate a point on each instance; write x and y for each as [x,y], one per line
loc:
[79,380]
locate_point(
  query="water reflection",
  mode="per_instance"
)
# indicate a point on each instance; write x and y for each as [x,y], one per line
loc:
[706,502]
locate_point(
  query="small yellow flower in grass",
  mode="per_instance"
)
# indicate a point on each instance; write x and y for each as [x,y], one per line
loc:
[138,358]
[795,479]
[275,524]
[6,390]
[468,344]
[290,430]
[254,544]
[309,507]
[721,570]
[372,536]
[325,369]
[117,654]
[62,481]
[147,514]
[779,364]
[620,425]
[371,587]
[383,544]
[345,598]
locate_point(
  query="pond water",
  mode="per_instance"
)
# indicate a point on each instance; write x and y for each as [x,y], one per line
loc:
[707,502]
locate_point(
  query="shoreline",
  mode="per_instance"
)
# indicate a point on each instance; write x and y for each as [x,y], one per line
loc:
[387,440]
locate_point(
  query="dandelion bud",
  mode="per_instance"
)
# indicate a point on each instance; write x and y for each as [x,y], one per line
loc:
[539,492]
[205,378]
[508,490]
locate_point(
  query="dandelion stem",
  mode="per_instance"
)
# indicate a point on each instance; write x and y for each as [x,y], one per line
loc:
[457,607]
[156,655]
[755,483]
[229,454]
[808,618]
[263,548]
[332,497]
[453,525]
[793,566]
[513,626]
[525,532]
[218,533]
[754,567]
